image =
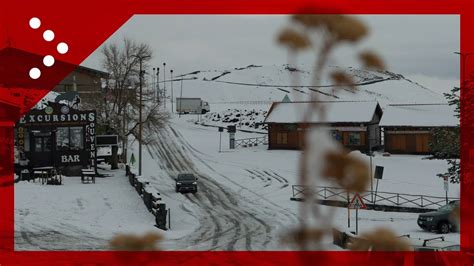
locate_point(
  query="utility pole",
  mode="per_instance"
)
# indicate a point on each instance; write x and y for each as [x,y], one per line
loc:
[158,84]
[171,71]
[181,98]
[140,128]
[164,85]
[153,81]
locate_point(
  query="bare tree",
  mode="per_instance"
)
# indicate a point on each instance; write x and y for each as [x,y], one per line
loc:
[118,108]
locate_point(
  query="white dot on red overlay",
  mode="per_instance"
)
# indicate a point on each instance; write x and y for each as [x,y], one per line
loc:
[48,60]
[35,23]
[62,48]
[48,35]
[35,73]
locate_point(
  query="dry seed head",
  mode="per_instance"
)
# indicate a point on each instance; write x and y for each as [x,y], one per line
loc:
[313,21]
[380,239]
[371,60]
[347,28]
[293,39]
[304,236]
[340,27]
[340,78]
[131,242]
[350,173]
[455,214]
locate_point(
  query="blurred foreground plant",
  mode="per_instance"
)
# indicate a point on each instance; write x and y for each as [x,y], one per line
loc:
[130,242]
[321,34]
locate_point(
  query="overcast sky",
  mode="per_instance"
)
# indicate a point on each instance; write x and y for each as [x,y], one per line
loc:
[417,45]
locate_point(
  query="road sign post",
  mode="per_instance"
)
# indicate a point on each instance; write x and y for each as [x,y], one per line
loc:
[357,203]
[220,137]
[378,176]
[348,212]
[446,184]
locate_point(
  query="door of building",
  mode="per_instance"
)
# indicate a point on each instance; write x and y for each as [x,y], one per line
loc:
[41,149]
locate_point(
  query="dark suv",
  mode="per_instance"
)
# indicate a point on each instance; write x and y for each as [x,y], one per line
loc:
[440,220]
[186,182]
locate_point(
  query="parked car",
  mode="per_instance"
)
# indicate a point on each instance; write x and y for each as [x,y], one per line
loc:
[186,182]
[441,220]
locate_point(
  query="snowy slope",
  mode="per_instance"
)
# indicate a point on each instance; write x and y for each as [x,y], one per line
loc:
[271,83]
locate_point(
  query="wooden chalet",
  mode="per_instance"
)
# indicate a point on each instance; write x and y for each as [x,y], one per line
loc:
[354,124]
[407,128]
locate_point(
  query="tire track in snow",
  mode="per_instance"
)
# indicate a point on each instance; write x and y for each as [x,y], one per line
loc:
[191,150]
[223,198]
[194,152]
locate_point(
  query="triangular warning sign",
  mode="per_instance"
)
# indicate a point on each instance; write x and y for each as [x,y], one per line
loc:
[357,203]
[286,99]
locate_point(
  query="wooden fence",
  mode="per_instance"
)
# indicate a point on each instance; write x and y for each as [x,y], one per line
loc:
[251,142]
[380,198]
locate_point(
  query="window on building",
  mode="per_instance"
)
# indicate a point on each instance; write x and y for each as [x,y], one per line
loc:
[282,138]
[26,140]
[354,138]
[336,135]
[70,138]
[290,127]
[68,87]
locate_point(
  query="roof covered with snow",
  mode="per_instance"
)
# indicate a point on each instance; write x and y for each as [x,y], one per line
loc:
[420,115]
[336,112]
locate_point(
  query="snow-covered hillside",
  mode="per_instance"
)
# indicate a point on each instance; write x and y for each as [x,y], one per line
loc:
[251,89]
[264,84]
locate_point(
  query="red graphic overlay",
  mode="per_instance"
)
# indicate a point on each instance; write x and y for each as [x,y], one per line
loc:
[84,25]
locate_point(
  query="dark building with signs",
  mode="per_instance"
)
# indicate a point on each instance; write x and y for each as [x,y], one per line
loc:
[353,124]
[58,135]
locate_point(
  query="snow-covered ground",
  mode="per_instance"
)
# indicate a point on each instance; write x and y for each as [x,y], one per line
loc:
[243,202]
[76,216]
[258,181]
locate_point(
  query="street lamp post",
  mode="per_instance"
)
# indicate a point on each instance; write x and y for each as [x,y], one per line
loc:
[171,71]
[181,98]
[158,85]
[164,85]
[140,128]
[153,81]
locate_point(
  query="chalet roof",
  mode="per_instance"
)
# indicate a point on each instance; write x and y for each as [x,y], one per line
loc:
[91,71]
[419,115]
[336,112]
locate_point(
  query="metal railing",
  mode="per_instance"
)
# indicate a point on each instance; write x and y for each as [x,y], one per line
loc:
[250,142]
[381,198]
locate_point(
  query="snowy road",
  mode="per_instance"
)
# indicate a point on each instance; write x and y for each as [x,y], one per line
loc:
[228,220]
[242,203]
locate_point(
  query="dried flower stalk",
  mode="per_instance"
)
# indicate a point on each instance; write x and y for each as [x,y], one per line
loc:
[130,242]
[324,33]
[380,240]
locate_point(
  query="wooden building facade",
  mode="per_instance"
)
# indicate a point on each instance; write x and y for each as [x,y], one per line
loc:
[354,124]
[87,83]
[58,136]
[407,128]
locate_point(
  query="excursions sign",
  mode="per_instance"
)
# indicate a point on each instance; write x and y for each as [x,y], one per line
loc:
[58,135]
[57,115]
